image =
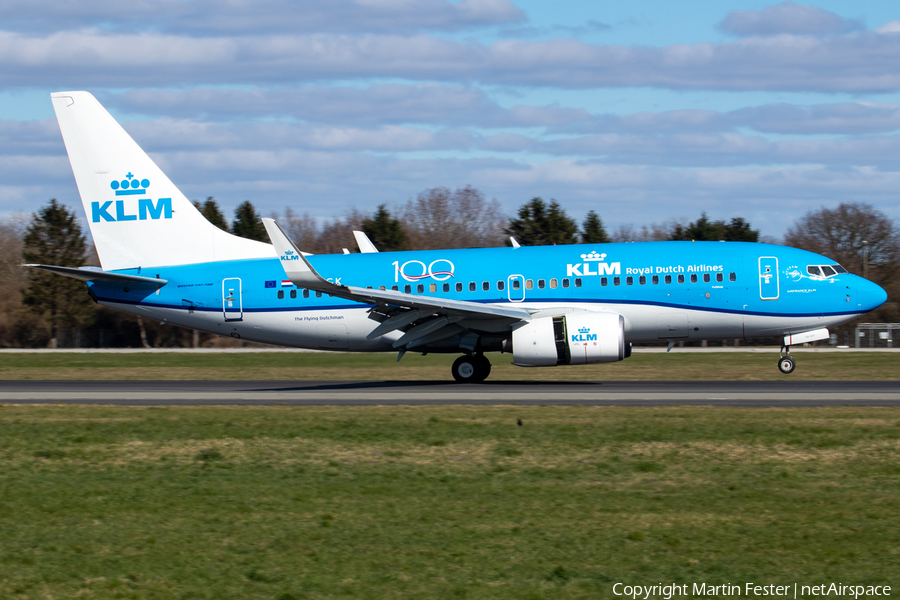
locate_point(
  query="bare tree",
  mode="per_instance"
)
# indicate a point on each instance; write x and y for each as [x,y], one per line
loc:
[852,234]
[338,234]
[646,233]
[301,229]
[463,218]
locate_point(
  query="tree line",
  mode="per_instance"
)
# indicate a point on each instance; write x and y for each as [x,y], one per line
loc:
[41,309]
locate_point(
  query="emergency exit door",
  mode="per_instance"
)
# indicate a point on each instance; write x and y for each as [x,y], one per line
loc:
[231,299]
[768,278]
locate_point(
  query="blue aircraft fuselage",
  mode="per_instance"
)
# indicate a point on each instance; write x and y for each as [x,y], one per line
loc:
[665,290]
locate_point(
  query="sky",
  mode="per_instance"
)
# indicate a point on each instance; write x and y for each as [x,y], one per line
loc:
[644,111]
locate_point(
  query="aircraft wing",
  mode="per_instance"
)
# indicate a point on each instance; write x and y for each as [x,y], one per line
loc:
[97,275]
[433,317]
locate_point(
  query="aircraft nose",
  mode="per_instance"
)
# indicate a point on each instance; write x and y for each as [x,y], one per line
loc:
[870,295]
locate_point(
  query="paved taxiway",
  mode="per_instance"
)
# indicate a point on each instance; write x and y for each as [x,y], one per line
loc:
[359,393]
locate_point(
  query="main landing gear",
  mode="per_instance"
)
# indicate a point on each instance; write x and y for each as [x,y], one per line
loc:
[471,368]
[786,363]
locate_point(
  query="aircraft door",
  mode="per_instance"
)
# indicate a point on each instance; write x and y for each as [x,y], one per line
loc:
[515,288]
[768,278]
[231,299]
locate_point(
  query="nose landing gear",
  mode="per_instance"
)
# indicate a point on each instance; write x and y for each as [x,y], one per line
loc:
[786,362]
[471,368]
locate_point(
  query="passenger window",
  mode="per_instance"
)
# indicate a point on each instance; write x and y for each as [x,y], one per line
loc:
[407,289]
[565,283]
[318,294]
[603,281]
[306,293]
[694,278]
[642,280]
[720,277]
[280,294]
[706,278]
[446,287]
[472,287]
[814,271]
[732,277]
[395,288]
[655,280]
[828,271]
[458,286]
[368,287]
[517,284]
[553,284]
[529,284]
[541,284]
[293,293]
[668,279]
[420,288]
[381,287]
[681,279]
[501,285]
[617,280]
[486,285]
[433,287]
[629,280]
[578,282]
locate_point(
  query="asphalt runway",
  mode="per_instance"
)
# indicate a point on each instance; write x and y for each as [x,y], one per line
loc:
[368,393]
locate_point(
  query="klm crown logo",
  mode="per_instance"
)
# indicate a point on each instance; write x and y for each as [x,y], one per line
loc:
[146,208]
[593,257]
[130,186]
[584,335]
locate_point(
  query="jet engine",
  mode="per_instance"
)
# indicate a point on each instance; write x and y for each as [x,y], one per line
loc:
[573,339]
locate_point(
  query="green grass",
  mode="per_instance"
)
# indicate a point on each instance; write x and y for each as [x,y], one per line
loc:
[440,502]
[285,366]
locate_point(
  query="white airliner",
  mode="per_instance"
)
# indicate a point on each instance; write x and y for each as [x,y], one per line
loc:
[547,306]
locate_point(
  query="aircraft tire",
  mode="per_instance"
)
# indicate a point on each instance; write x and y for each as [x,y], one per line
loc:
[786,365]
[484,367]
[466,369]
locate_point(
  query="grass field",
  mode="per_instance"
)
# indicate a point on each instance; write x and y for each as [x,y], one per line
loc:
[285,366]
[283,503]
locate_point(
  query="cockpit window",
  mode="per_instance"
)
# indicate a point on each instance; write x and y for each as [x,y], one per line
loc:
[825,270]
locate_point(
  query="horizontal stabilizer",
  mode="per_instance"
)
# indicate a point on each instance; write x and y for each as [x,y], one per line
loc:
[97,275]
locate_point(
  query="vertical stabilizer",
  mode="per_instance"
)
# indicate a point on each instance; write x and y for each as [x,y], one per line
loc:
[137,217]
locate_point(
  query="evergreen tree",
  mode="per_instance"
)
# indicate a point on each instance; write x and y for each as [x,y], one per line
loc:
[385,231]
[247,223]
[53,237]
[592,230]
[210,210]
[739,231]
[704,230]
[539,224]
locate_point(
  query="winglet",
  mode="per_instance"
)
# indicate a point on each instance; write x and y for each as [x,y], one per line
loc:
[365,244]
[295,265]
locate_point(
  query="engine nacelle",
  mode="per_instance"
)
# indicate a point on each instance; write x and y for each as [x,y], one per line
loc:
[574,339]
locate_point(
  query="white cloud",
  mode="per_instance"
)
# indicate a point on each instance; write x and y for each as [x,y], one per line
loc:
[890,27]
[210,17]
[787,17]
[856,62]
